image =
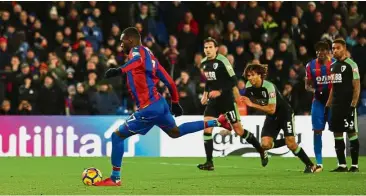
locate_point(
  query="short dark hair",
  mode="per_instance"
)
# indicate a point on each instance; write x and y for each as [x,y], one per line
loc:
[132,32]
[257,68]
[210,39]
[322,45]
[340,41]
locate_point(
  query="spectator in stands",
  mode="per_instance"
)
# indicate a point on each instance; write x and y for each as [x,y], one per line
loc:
[51,101]
[188,19]
[186,82]
[81,101]
[339,26]
[4,53]
[353,18]
[280,74]
[194,70]
[215,24]
[187,40]
[6,108]
[241,59]
[105,101]
[25,108]
[242,24]
[223,50]
[187,101]
[92,33]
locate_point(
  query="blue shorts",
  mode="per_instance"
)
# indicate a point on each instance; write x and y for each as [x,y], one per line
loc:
[140,122]
[317,115]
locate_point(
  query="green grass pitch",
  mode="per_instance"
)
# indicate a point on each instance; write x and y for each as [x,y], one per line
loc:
[232,175]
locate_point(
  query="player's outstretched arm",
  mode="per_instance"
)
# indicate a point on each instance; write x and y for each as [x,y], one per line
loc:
[169,82]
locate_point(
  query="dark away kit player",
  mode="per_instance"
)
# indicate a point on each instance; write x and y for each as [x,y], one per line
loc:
[220,96]
[143,72]
[342,101]
[318,81]
[263,95]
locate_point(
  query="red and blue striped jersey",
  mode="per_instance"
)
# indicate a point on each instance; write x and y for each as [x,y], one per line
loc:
[143,72]
[320,76]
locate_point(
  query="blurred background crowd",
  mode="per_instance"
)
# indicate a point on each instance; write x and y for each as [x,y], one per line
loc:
[53,55]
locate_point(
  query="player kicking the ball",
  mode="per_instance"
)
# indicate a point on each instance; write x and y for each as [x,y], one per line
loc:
[220,96]
[263,95]
[143,72]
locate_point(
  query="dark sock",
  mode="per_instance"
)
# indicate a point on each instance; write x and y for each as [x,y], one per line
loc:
[208,146]
[299,152]
[339,148]
[251,139]
[354,148]
[279,143]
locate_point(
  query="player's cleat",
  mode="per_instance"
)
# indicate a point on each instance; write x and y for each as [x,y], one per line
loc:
[206,166]
[353,169]
[108,182]
[224,122]
[318,168]
[309,169]
[264,158]
[340,169]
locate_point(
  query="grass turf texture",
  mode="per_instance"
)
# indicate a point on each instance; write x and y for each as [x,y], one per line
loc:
[233,175]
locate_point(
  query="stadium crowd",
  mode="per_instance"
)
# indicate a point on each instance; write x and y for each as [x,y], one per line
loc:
[53,57]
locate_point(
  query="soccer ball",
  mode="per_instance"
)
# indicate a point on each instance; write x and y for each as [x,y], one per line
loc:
[91,176]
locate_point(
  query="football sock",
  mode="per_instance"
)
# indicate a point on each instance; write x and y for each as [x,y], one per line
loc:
[318,148]
[279,143]
[339,148]
[191,127]
[208,146]
[116,156]
[251,139]
[299,152]
[211,123]
[354,148]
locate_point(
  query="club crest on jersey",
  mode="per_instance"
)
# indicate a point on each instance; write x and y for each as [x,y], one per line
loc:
[343,68]
[215,65]
[264,94]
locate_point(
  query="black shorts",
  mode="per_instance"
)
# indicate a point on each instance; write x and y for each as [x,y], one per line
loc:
[273,125]
[343,120]
[223,106]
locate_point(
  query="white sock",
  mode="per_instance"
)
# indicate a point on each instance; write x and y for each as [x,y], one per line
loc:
[342,165]
[356,166]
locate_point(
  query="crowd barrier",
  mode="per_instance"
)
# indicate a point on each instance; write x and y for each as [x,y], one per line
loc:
[89,136]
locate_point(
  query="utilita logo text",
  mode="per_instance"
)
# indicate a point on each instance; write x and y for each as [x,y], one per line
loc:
[59,141]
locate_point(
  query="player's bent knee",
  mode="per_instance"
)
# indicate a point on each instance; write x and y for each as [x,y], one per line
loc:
[291,143]
[267,145]
[174,133]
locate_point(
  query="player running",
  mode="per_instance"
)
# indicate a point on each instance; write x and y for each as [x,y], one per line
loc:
[263,95]
[343,101]
[220,96]
[318,82]
[143,72]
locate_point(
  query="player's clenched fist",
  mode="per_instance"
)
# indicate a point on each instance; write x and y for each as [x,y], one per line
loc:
[112,72]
